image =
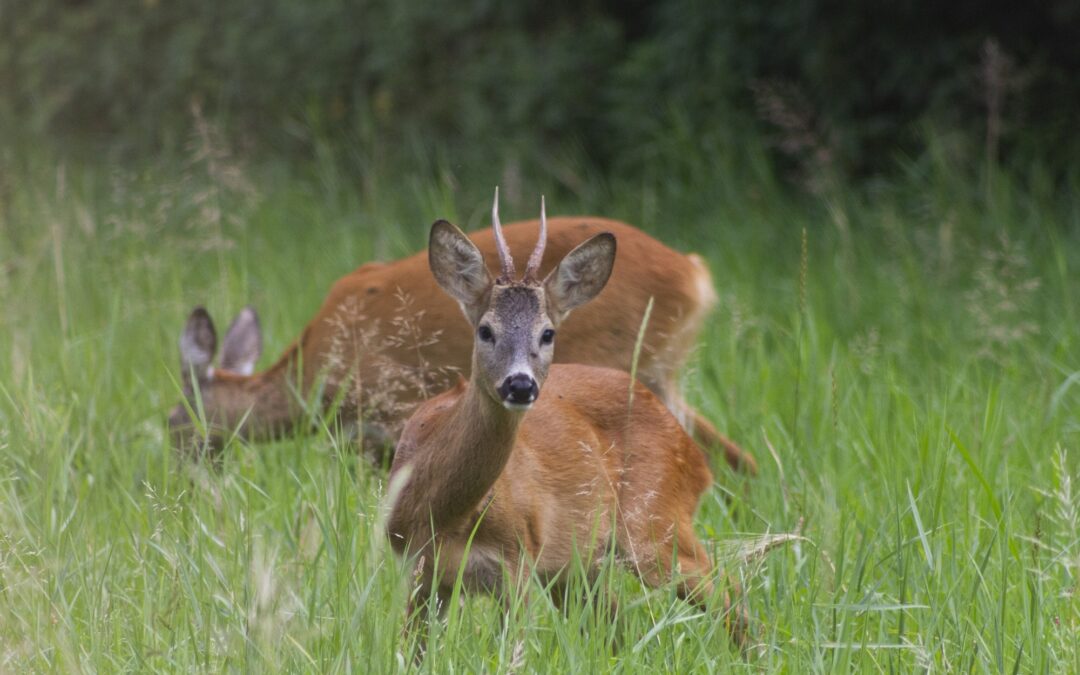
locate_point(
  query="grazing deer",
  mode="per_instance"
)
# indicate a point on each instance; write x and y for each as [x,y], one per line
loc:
[387,338]
[533,463]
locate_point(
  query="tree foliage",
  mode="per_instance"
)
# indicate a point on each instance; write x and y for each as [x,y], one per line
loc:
[844,82]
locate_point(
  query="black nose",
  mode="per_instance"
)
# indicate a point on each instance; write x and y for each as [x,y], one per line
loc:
[519,389]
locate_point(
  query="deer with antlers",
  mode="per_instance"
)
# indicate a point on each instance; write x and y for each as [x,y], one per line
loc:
[387,338]
[530,463]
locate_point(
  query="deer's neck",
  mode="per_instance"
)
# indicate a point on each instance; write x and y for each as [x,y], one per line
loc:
[260,406]
[461,461]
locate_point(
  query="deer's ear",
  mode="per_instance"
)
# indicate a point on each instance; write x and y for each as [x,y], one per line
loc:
[242,345]
[458,267]
[581,275]
[198,343]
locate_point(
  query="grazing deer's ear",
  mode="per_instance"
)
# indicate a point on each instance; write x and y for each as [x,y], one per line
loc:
[242,345]
[198,343]
[581,275]
[459,268]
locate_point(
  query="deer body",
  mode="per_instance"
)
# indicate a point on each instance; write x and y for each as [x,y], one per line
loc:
[386,338]
[493,474]
[580,472]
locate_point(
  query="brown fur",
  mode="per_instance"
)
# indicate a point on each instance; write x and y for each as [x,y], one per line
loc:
[352,342]
[579,470]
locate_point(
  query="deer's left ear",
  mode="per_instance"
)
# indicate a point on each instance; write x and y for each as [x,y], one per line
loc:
[581,275]
[459,268]
[242,345]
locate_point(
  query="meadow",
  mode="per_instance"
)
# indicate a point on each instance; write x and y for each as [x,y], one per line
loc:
[903,360]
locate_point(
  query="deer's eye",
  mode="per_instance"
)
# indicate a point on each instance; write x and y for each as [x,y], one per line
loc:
[547,337]
[485,334]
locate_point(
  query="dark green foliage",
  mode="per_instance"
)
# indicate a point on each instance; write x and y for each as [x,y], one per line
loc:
[839,85]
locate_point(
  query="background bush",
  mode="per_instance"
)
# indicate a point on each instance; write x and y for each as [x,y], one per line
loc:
[834,84]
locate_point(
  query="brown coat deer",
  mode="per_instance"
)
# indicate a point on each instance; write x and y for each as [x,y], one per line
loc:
[387,338]
[531,463]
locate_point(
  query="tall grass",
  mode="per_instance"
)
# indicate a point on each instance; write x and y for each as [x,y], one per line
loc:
[908,378]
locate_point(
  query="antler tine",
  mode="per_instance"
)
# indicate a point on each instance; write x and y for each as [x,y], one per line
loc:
[505,260]
[532,270]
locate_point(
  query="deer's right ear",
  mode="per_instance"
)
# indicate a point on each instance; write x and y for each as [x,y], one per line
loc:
[198,343]
[458,266]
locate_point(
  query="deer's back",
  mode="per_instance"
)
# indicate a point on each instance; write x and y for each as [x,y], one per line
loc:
[392,323]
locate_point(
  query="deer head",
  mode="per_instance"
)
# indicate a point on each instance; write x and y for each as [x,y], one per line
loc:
[198,343]
[515,319]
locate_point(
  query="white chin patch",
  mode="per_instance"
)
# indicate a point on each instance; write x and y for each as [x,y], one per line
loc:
[519,407]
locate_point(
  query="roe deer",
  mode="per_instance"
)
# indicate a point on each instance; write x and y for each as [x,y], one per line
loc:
[533,463]
[387,338]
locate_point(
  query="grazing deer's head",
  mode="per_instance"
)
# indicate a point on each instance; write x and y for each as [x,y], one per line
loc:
[515,320]
[198,343]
